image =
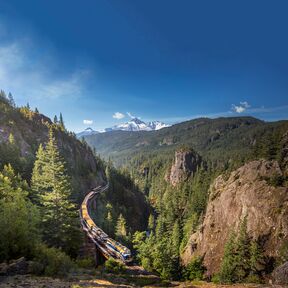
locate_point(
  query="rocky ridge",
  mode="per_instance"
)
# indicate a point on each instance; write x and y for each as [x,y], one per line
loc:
[251,191]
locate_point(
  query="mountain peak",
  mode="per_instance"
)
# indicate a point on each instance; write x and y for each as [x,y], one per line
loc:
[86,132]
[136,120]
[134,124]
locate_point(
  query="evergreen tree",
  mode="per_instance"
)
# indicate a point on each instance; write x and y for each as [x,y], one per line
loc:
[121,230]
[176,236]
[49,179]
[55,119]
[227,268]
[109,219]
[19,218]
[11,139]
[242,258]
[40,183]
[256,258]
[242,254]
[61,121]
[3,96]
[151,222]
[11,100]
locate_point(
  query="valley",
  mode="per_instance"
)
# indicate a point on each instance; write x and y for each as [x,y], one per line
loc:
[184,208]
[143,144]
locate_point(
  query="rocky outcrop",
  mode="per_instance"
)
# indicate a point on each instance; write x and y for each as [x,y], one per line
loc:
[245,192]
[19,266]
[185,165]
[280,274]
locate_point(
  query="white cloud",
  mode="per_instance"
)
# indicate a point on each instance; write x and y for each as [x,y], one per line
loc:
[24,72]
[242,107]
[245,104]
[118,115]
[88,122]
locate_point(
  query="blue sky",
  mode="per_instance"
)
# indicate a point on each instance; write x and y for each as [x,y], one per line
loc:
[159,60]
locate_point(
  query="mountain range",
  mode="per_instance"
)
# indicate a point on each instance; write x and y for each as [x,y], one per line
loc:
[135,124]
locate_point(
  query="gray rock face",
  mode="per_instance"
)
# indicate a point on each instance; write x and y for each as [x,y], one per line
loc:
[185,165]
[280,274]
[245,192]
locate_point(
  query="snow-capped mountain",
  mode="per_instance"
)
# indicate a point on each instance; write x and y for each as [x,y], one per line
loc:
[157,125]
[86,132]
[135,124]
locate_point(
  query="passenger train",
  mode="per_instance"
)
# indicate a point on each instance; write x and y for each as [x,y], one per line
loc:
[111,247]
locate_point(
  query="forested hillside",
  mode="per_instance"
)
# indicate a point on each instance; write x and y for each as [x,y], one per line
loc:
[176,168]
[219,140]
[45,172]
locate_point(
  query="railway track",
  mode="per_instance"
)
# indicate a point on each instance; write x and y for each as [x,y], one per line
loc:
[107,246]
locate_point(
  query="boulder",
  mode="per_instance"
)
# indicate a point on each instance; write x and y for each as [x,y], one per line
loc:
[19,266]
[280,274]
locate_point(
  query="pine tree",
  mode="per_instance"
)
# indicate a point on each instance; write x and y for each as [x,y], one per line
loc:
[242,252]
[256,258]
[61,122]
[52,184]
[227,268]
[11,100]
[55,119]
[151,222]
[19,218]
[40,183]
[176,234]
[11,139]
[3,96]
[109,219]
[121,230]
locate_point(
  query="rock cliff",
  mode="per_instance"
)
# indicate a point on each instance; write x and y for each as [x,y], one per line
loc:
[185,165]
[250,190]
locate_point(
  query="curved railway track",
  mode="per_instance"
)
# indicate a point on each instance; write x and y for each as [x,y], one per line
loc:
[107,246]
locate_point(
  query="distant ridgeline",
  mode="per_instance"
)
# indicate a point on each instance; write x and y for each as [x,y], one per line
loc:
[177,168]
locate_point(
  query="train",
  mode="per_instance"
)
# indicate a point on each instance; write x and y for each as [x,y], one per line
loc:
[108,245]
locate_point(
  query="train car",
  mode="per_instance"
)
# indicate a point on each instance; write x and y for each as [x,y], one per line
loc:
[123,253]
[108,246]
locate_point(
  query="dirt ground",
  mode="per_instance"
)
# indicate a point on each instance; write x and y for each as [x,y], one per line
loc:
[89,281]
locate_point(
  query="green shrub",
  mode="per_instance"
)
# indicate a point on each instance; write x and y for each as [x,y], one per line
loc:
[113,266]
[51,262]
[85,263]
[195,269]
[216,279]
[275,180]
[253,278]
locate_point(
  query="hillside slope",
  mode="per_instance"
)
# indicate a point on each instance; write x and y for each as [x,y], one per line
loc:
[217,140]
[21,132]
[254,191]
